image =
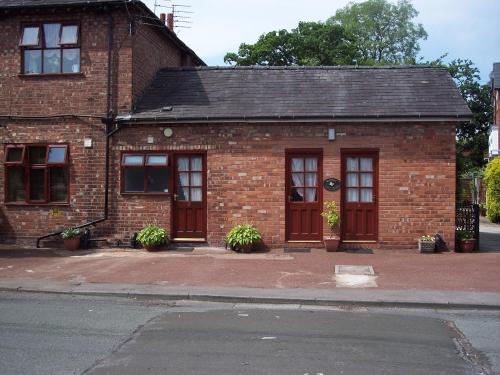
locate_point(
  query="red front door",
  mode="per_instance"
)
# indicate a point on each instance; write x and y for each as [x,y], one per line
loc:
[359,195]
[189,206]
[303,195]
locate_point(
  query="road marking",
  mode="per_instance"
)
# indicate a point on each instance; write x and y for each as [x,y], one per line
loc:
[242,314]
[268,338]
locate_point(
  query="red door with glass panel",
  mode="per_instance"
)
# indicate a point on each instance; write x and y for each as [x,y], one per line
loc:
[359,195]
[189,207]
[303,195]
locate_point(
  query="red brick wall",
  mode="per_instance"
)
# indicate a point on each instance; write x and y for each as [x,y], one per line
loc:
[246,166]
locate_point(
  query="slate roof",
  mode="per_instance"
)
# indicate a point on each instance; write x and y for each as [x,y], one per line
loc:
[495,76]
[300,93]
[11,4]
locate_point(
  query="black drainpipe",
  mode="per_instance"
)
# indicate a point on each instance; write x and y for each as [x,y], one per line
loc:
[107,121]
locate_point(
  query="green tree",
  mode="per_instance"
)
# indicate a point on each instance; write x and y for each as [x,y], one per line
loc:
[492,180]
[311,43]
[385,33]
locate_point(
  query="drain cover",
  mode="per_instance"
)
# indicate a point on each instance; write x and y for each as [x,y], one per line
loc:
[341,269]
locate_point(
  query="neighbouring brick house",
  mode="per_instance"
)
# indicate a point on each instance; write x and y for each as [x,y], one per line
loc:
[202,149]
[494,139]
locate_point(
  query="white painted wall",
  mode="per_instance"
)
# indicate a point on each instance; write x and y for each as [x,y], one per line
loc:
[493,142]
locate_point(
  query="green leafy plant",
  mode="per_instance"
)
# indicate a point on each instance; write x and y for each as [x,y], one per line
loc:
[464,235]
[427,238]
[69,233]
[331,214]
[152,236]
[492,180]
[242,235]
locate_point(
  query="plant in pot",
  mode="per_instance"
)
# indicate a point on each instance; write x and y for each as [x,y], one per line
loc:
[152,237]
[332,217]
[71,238]
[243,238]
[466,241]
[427,244]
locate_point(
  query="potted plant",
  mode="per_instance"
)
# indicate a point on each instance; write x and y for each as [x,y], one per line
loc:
[71,238]
[427,244]
[332,217]
[152,237]
[466,241]
[243,238]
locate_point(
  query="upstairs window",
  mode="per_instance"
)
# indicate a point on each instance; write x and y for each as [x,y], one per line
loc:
[50,48]
[145,173]
[36,174]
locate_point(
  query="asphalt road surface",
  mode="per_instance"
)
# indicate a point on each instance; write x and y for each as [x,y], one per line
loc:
[60,334]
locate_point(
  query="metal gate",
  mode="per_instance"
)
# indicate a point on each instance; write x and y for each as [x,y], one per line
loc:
[467,218]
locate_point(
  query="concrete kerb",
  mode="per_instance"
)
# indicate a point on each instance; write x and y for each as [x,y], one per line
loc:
[305,297]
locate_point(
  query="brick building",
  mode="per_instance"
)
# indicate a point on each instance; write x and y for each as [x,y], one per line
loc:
[198,149]
[494,139]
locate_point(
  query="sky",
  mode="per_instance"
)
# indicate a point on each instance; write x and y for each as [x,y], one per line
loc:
[467,29]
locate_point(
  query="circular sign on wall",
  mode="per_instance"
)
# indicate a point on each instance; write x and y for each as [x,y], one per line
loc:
[332,184]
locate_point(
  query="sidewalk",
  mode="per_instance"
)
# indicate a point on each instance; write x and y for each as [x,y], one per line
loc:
[408,278]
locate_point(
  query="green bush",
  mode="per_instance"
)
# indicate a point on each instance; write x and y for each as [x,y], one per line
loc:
[70,233]
[331,214]
[152,236]
[492,181]
[241,235]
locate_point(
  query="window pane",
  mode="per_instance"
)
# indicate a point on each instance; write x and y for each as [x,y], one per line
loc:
[297,195]
[157,160]
[366,195]
[37,155]
[58,184]
[133,160]
[37,184]
[32,62]
[298,179]
[30,36]
[310,195]
[183,163]
[158,180]
[353,195]
[311,179]
[52,32]
[196,195]
[15,154]
[69,34]
[196,179]
[311,164]
[52,61]
[183,179]
[366,179]
[133,180]
[352,179]
[196,164]
[352,164]
[56,155]
[366,164]
[297,164]
[182,193]
[15,185]
[71,60]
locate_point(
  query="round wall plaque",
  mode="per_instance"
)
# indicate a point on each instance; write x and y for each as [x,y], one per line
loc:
[331,184]
[168,132]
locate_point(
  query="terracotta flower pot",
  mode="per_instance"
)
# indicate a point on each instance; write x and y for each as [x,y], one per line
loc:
[467,246]
[331,243]
[72,244]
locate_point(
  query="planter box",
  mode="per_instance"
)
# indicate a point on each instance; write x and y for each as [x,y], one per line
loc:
[426,246]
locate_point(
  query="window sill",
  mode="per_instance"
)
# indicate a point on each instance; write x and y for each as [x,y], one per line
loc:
[146,194]
[51,75]
[22,204]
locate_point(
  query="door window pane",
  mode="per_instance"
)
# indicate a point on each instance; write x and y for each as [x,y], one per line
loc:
[32,61]
[183,163]
[311,195]
[52,32]
[69,34]
[184,179]
[196,179]
[58,184]
[182,193]
[297,195]
[352,164]
[366,179]
[311,179]
[15,154]
[366,164]
[133,180]
[133,160]
[15,184]
[298,179]
[158,180]
[37,184]
[71,60]
[30,36]
[157,160]
[37,155]
[52,61]
[56,155]
[297,165]
[367,195]
[352,179]
[196,163]
[311,164]
[196,195]
[353,195]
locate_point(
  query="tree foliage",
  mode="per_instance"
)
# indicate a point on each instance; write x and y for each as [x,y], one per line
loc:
[311,43]
[384,32]
[492,180]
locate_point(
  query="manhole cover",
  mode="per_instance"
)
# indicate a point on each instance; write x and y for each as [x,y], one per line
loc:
[341,269]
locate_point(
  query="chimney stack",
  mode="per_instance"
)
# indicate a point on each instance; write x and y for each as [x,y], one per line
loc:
[170,21]
[162,17]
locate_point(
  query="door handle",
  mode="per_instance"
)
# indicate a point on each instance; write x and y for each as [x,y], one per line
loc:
[175,197]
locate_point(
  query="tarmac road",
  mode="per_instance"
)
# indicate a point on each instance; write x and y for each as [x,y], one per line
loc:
[64,334]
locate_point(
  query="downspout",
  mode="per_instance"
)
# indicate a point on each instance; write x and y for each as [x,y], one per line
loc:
[107,121]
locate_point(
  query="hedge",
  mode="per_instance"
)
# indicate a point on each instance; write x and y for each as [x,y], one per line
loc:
[492,180]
